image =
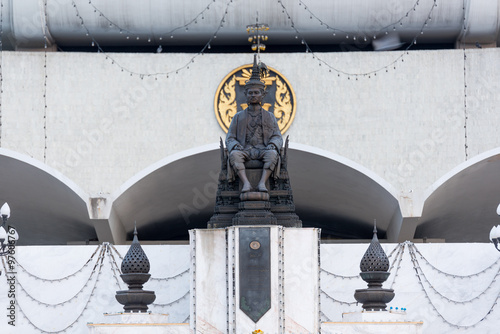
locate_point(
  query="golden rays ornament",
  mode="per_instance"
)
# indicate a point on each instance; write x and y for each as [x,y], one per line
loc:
[279,100]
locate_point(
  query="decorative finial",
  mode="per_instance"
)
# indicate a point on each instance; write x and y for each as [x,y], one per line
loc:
[255,78]
[135,261]
[135,272]
[374,270]
[256,32]
[375,258]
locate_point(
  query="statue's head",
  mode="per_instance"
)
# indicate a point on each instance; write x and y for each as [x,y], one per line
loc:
[255,94]
[255,88]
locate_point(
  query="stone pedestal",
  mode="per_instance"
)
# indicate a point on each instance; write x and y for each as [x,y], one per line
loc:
[237,287]
[373,322]
[254,212]
[132,323]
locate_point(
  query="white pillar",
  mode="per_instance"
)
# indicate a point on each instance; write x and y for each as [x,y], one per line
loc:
[294,281]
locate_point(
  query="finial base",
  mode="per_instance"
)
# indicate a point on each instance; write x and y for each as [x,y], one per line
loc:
[135,300]
[374,299]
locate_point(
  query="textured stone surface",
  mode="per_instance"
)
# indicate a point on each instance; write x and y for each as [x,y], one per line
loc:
[373,323]
[131,323]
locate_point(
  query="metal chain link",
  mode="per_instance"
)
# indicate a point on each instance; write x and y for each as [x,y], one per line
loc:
[178,300]
[62,278]
[426,294]
[454,275]
[83,310]
[336,300]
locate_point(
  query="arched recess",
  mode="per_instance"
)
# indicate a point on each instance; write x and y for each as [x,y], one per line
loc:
[330,192]
[46,207]
[461,205]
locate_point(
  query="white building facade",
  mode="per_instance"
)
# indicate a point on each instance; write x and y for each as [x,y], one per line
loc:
[107,118]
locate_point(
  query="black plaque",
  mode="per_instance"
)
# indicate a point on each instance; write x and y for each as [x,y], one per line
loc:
[255,271]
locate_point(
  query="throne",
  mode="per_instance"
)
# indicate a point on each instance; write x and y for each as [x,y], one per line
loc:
[273,208]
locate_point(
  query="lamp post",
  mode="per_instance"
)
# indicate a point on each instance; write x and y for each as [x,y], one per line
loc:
[495,232]
[8,234]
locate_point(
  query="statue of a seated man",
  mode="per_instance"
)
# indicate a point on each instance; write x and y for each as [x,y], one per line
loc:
[254,135]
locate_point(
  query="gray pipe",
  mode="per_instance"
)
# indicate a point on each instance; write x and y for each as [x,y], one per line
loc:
[34,24]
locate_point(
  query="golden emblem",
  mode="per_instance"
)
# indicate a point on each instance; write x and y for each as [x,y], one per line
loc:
[230,97]
[255,245]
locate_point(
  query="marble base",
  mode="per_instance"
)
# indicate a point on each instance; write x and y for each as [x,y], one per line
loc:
[130,323]
[215,289]
[373,322]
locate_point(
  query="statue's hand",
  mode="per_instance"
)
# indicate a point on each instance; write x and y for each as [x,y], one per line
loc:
[271,147]
[238,147]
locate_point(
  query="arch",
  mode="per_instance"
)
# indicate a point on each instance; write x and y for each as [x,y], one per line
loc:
[341,196]
[461,205]
[47,207]
[331,192]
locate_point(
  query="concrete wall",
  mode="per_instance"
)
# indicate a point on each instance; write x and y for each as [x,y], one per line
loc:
[421,115]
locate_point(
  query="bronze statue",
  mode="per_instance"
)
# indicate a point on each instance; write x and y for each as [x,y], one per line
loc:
[254,135]
[254,144]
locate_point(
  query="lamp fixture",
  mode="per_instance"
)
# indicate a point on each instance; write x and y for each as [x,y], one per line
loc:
[9,236]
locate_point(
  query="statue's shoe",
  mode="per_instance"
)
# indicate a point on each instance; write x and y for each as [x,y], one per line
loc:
[262,188]
[246,188]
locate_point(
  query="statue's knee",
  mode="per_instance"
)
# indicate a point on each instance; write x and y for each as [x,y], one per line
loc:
[236,157]
[271,156]
[238,166]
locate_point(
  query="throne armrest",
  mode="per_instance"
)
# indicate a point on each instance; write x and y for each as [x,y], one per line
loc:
[223,155]
[284,154]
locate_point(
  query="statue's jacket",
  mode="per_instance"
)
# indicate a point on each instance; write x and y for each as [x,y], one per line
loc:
[237,134]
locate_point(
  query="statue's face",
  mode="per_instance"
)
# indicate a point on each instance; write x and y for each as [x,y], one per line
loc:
[254,95]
